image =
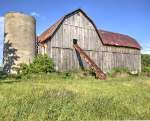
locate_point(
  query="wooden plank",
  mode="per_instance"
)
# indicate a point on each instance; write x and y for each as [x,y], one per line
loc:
[81,38]
[85,39]
[64,59]
[77,19]
[72,28]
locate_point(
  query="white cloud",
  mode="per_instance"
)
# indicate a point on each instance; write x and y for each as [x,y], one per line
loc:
[147,44]
[146,52]
[147,48]
[38,15]
[35,14]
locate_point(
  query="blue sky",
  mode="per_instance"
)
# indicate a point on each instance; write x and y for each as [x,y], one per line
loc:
[129,17]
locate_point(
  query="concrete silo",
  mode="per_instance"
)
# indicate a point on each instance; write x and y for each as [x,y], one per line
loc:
[19,40]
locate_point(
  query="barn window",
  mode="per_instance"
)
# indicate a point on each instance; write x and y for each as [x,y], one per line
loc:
[75,41]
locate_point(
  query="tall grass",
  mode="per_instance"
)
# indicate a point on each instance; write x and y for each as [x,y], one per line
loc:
[53,97]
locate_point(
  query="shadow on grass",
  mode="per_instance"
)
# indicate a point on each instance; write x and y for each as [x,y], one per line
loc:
[8,82]
[6,78]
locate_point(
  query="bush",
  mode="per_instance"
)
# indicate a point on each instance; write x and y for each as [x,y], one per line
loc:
[121,70]
[66,73]
[58,72]
[145,69]
[75,70]
[42,63]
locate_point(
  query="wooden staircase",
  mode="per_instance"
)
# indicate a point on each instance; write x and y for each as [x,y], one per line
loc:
[92,64]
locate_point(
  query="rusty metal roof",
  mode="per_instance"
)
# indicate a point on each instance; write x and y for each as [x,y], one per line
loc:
[107,37]
[118,39]
[46,34]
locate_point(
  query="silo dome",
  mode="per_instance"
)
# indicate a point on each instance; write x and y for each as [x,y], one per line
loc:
[19,40]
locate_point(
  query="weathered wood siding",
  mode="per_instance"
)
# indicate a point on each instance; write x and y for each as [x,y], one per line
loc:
[60,47]
[77,26]
[120,56]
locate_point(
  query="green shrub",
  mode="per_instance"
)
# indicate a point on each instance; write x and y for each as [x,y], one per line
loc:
[121,70]
[145,69]
[58,72]
[75,70]
[42,63]
[67,73]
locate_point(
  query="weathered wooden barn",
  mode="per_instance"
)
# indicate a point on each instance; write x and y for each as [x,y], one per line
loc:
[106,49]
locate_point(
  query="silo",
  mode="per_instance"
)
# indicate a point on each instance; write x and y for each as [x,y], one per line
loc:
[19,40]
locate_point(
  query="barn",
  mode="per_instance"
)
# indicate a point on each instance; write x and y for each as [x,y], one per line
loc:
[106,49]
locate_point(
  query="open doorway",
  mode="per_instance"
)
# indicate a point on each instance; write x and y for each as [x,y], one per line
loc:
[75,41]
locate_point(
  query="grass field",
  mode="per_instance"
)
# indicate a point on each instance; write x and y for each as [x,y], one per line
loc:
[51,97]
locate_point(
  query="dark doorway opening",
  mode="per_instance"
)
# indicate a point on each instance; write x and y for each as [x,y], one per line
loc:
[75,41]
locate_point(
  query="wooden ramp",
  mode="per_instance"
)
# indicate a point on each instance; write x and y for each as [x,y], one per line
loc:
[92,64]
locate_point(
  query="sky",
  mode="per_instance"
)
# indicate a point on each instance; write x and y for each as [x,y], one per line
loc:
[128,17]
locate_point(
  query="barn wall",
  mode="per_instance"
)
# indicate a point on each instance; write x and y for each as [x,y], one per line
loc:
[77,26]
[74,26]
[120,56]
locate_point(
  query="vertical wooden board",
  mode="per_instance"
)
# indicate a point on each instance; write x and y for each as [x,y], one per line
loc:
[89,36]
[68,42]
[73,60]
[77,19]
[81,38]
[59,58]
[81,21]
[131,61]
[56,38]
[94,40]
[53,56]
[76,58]
[88,54]
[112,61]
[52,41]
[140,62]
[85,39]
[68,59]
[65,21]
[97,58]
[56,56]
[64,36]
[64,60]
[93,56]
[59,37]
[104,61]
[71,36]
[70,19]
[117,59]
[109,62]
[121,60]
[77,31]
[91,40]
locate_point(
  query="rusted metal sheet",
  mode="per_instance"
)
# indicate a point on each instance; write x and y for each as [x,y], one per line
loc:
[118,39]
[46,34]
[91,63]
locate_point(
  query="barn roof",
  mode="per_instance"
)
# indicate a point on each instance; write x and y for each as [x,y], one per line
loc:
[108,38]
[111,38]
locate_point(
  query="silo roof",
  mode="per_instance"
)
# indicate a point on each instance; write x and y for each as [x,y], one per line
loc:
[108,38]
